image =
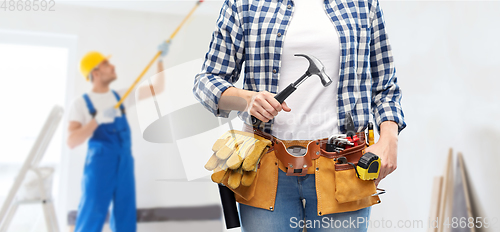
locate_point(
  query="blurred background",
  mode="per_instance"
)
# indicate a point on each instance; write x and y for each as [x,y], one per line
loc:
[446,56]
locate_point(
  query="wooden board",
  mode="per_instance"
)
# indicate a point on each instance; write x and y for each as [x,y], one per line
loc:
[435,202]
[446,193]
[461,200]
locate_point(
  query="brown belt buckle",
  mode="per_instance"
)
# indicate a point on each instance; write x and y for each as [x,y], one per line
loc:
[291,171]
[300,168]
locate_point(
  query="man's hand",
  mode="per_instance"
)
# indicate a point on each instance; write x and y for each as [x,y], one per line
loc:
[386,148]
[264,106]
[164,48]
[106,116]
[79,133]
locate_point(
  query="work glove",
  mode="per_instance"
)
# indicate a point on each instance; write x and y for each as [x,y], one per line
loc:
[164,48]
[236,155]
[106,116]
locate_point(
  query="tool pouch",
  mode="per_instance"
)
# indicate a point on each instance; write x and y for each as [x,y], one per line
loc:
[265,180]
[348,187]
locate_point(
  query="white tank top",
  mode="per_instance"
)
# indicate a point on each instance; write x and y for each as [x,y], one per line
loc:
[314,107]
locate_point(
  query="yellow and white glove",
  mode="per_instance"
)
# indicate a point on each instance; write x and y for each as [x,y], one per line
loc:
[236,155]
[106,116]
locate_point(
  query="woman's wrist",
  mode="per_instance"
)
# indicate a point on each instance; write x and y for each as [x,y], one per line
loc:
[389,132]
[235,92]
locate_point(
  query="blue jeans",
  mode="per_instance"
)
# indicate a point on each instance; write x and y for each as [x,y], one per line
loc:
[290,215]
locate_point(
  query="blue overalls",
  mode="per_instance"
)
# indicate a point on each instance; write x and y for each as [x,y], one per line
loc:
[108,176]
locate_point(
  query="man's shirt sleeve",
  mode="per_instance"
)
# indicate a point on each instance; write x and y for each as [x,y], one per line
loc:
[223,61]
[76,112]
[386,94]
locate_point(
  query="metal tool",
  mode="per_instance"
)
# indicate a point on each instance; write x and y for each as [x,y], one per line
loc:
[349,125]
[315,68]
[380,192]
[331,145]
[371,136]
[343,141]
[350,131]
[338,144]
[368,167]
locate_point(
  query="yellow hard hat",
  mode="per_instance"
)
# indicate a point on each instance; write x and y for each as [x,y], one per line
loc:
[90,61]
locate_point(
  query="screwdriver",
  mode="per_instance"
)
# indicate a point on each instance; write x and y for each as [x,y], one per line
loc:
[371,137]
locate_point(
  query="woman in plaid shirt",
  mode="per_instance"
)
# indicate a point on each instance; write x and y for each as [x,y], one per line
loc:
[350,39]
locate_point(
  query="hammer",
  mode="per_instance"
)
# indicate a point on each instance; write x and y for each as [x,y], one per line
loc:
[315,68]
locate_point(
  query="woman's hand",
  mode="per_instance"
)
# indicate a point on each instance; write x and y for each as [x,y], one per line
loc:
[264,106]
[387,149]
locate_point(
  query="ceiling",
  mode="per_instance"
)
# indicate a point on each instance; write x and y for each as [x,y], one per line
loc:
[177,7]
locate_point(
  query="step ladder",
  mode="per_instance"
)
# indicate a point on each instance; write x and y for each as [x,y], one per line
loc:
[38,190]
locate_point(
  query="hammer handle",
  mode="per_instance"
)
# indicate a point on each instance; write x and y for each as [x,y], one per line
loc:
[281,96]
[229,207]
[256,122]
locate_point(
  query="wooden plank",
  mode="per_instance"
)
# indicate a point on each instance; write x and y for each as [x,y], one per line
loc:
[466,184]
[461,201]
[446,193]
[435,202]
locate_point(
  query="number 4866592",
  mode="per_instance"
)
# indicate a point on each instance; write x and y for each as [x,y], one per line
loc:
[27,5]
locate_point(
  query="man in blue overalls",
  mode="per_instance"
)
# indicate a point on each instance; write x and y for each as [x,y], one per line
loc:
[109,167]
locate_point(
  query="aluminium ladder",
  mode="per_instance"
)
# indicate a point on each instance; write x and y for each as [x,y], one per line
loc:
[31,163]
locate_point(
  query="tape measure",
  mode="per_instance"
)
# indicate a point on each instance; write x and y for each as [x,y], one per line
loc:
[368,167]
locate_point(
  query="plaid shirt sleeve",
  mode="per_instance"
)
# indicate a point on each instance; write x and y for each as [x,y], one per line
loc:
[386,94]
[223,61]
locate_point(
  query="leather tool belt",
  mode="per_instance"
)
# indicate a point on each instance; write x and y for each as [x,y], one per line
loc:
[298,155]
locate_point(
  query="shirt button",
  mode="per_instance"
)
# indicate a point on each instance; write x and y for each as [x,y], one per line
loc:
[289,6]
[274,70]
[279,34]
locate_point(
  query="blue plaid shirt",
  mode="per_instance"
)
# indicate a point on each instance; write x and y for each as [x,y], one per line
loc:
[251,33]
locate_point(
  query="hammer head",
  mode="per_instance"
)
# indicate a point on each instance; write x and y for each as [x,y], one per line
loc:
[317,68]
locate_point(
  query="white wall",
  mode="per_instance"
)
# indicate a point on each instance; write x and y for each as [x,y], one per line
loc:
[446,56]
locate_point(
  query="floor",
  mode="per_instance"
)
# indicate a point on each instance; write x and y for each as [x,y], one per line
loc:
[30,218]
